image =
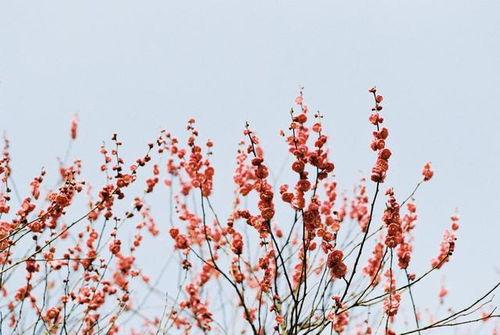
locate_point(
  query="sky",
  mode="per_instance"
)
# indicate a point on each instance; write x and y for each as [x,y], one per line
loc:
[135,67]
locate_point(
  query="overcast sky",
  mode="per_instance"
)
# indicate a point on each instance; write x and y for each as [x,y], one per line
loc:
[134,67]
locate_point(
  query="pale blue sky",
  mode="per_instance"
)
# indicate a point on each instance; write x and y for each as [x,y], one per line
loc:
[134,67]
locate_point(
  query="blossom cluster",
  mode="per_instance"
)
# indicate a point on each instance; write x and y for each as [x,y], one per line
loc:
[299,256]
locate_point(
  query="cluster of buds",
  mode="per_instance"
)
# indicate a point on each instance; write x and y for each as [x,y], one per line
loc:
[64,197]
[359,207]
[200,178]
[4,203]
[52,314]
[447,246]
[427,171]
[267,264]
[35,185]
[339,320]
[331,226]
[74,127]
[151,182]
[259,173]
[336,264]
[372,269]
[405,248]
[393,300]
[392,220]
[181,241]
[236,272]
[198,308]
[5,231]
[5,169]
[266,206]
[381,166]
[317,157]
[237,243]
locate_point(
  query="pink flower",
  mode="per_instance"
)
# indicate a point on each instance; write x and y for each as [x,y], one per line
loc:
[427,172]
